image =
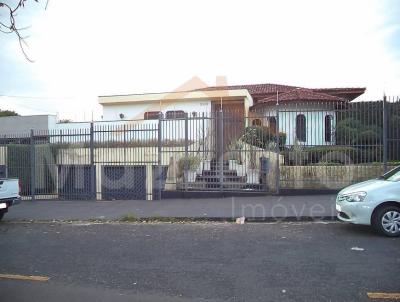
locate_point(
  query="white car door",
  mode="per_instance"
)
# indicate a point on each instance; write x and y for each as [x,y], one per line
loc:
[8,188]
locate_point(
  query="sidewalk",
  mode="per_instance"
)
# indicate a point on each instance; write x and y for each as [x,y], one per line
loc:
[261,208]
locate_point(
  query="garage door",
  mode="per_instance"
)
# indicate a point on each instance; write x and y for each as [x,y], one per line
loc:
[123,182]
[74,182]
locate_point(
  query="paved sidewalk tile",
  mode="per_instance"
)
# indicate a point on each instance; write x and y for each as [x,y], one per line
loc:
[312,206]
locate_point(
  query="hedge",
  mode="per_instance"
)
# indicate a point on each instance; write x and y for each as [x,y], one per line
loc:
[19,165]
[331,155]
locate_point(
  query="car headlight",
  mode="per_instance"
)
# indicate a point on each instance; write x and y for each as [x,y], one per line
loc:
[354,197]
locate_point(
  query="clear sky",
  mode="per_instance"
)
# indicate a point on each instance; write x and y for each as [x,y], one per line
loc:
[83,49]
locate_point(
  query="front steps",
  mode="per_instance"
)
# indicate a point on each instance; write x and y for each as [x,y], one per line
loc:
[223,179]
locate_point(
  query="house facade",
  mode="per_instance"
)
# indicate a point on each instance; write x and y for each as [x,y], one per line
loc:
[173,107]
[161,144]
[172,104]
[306,116]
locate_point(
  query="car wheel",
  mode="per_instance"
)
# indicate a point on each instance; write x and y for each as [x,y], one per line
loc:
[387,221]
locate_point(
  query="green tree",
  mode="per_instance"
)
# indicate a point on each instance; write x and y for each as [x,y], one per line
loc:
[8,113]
[262,137]
[353,132]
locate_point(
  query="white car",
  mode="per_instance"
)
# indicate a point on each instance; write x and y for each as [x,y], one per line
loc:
[9,194]
[374,202]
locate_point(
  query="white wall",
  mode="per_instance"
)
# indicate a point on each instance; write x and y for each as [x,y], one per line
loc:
[135,111]
[172,129]
[175,129]
[22,125]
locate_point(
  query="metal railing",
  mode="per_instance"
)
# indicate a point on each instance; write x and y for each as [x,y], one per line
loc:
[309,145]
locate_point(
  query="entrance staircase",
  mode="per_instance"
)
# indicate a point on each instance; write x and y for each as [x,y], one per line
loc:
[217,179]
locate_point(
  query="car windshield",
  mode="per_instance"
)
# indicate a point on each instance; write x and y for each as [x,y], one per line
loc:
[392,175]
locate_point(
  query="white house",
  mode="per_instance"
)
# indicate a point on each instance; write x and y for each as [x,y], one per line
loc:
[306,116]
[147,106]
[127,142]
[145,109]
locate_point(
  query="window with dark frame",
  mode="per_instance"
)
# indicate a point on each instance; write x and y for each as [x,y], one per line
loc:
[272,124]
[152,115]
[328,128]
[256,122]
[175,114]
[301,129]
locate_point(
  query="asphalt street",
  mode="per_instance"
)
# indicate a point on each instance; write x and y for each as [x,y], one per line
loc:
[300,261]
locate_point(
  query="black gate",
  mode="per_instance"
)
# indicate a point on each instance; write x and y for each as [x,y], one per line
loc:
[74,182]
[280,146]
[123,182]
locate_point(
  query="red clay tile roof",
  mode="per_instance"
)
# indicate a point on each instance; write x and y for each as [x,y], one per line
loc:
[340,90]
[301,94]
[347,93]
[264,92]
[254,88]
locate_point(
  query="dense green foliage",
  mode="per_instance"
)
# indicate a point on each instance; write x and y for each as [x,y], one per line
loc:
[353,132]
[341,155]
[8,113]
[262,137]
[19,165]
[190,162]
[360,125]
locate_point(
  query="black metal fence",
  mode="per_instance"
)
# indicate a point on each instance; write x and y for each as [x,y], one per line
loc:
[337,144]
[284,146]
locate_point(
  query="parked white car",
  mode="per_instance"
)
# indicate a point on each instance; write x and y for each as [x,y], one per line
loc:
[374,202]
[9,194]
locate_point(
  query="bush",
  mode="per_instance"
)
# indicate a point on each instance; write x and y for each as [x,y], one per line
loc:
[262,137]
[320,154]
[351,131]
[19,165]
[370,154]
[192,163]
[235,150]
[331,155]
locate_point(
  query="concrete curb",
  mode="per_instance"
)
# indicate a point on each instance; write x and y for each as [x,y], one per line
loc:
[180,220]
